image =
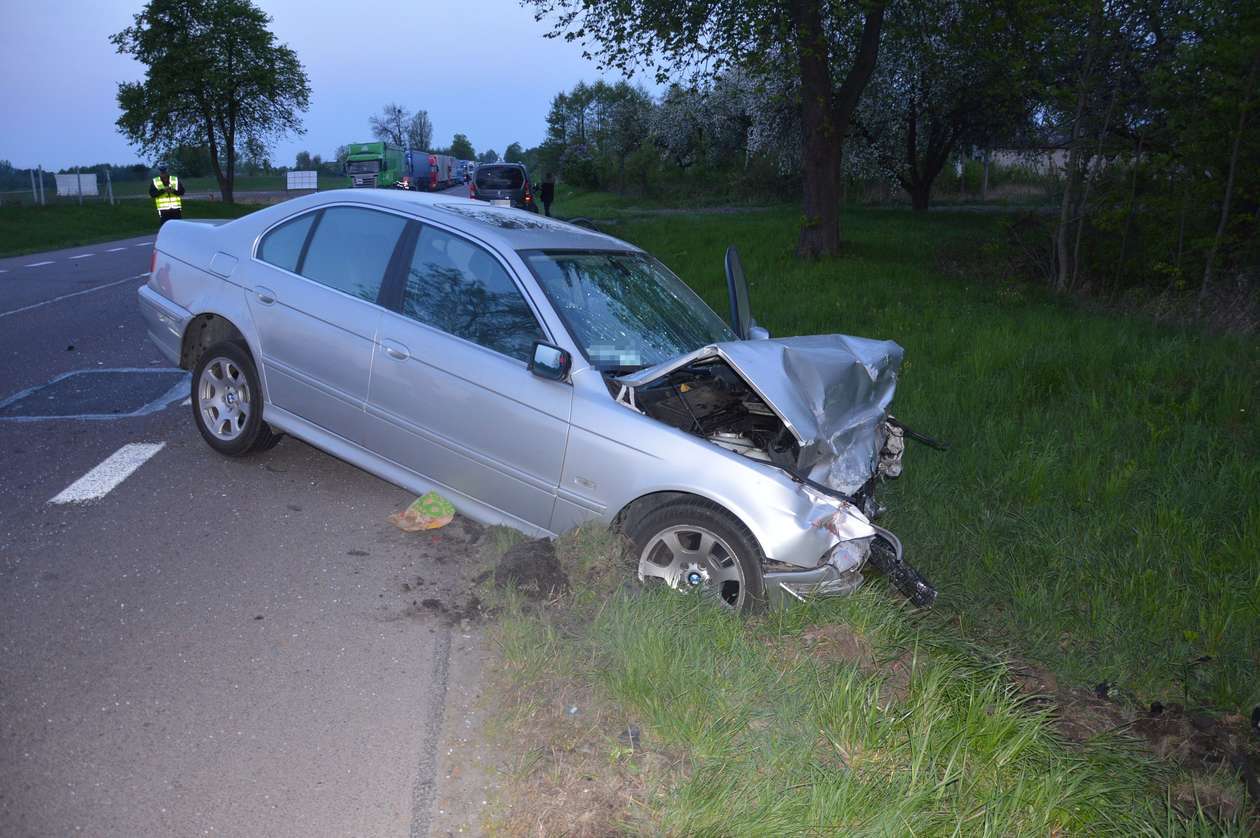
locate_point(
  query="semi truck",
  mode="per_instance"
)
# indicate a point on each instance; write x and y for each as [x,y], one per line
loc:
[374,164]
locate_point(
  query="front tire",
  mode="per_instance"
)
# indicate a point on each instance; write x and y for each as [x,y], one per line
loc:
[227,401]
[697,546]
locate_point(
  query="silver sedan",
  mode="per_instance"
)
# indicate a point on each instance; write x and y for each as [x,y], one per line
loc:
[539,375]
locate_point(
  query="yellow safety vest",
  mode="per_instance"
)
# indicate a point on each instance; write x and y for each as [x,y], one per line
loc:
[164,201]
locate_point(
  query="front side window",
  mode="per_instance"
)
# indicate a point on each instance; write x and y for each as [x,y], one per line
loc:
[626,310]
[351,249]
[282,247]
[458,287]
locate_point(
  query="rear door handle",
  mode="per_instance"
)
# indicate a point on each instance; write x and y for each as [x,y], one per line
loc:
[395,350]
[265,295]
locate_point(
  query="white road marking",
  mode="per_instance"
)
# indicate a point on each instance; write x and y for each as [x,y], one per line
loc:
[144,244]
[75,294]
[4,270]
[115,249]
[83,256]
[103,479]
[38,264]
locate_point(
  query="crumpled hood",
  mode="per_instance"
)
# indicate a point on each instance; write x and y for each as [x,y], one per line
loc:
[831,391]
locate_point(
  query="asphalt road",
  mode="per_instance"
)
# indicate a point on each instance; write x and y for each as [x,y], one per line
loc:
[212,646]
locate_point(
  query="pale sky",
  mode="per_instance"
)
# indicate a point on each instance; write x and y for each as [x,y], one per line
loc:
[479,67]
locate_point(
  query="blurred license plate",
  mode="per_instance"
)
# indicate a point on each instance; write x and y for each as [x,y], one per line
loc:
[501,202]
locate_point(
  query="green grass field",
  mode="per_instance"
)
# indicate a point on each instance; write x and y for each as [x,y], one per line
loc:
[1098,510]
[32,229]
[1097,514]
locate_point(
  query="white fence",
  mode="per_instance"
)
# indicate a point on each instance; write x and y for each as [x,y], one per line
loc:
[80,184]
[303,180]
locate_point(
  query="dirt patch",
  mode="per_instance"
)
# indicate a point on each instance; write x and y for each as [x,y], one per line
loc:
[1199,743]
[580,767]
[532,568]
[838,643]
[447,594]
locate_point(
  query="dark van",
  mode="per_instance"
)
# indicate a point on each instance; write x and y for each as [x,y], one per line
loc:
[505,184]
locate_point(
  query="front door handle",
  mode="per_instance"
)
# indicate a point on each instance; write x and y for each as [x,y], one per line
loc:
[395,350]
[265,295]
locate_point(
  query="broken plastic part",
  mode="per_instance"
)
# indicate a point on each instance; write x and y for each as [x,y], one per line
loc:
[886,556]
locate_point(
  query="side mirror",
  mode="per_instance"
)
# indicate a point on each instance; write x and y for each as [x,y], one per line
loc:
[550,362]
[758,333]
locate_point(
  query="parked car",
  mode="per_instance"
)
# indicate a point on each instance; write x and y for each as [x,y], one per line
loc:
[539,375]
[503,184]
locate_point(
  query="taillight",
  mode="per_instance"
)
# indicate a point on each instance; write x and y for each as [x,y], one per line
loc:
[472,189]
[153,263]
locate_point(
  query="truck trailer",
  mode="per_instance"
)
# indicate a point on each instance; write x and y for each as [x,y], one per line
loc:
[430,172]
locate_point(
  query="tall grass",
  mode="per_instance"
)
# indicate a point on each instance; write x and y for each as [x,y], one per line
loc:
[840,717]
[1100,508]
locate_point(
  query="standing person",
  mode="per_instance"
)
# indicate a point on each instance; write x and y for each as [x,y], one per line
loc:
[165,192]
[548,193]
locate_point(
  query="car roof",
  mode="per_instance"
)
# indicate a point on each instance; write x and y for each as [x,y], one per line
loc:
[502,227]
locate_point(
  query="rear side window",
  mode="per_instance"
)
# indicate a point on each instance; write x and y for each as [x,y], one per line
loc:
[500,177]
[283,245]
[350,250]
[458,287]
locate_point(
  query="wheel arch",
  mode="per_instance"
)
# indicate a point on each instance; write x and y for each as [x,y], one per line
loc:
[647,503]
[203,332]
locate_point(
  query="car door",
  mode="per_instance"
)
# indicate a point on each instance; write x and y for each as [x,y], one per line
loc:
[451,395]
[315,303]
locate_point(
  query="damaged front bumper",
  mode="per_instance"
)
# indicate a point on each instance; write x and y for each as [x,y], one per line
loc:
[858,543]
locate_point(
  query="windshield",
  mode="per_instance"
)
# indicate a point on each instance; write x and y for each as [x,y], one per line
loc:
[363,167]
[626,310]
[499,177]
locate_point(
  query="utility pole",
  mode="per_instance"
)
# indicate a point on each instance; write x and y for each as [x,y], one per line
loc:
[34,193]
[42,200]
[78,181]
[109,186]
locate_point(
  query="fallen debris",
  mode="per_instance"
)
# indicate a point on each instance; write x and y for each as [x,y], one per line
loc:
[430,511]
[532,567]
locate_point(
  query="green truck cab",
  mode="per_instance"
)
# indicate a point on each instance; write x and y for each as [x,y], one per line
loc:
[374,164]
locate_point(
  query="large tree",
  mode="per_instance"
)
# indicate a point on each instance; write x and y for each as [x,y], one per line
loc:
[215,77]
[462,147]
[420,131]
[829,46]
[390,125]
[952,74]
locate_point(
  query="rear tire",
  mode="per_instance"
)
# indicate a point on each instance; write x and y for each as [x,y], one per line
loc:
[227,401]
[697,545]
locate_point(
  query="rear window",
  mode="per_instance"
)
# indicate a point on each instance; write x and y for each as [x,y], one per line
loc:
[500,177]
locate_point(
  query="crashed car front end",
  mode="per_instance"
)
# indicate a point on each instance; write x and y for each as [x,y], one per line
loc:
[816,410]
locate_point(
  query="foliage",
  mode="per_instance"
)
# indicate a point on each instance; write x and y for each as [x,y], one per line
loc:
[953,74]
[215,77]
[488,156]
[514,154]
[462,148]
[420,131]
[828,49]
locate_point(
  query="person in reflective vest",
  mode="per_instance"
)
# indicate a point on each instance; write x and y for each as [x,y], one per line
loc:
[165,192]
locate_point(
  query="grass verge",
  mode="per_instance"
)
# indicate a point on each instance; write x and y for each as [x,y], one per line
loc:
[655,713]
[1097,511]
[32,229]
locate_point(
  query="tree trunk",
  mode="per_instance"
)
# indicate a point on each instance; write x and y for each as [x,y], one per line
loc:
[984,179]
[825,120]
[820,227]
[1089,182]
[920,195]
[1071,168]
[1210,266]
